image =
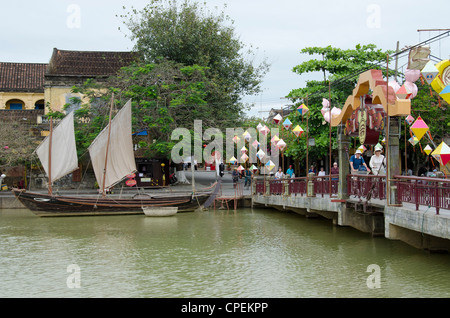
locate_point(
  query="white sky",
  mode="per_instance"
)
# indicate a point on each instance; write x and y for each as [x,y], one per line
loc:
[280,29]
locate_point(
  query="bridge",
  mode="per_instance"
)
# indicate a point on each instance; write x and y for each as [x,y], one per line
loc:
[416,211]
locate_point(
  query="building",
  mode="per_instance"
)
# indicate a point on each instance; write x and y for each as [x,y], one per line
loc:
[72,68]
[22,86]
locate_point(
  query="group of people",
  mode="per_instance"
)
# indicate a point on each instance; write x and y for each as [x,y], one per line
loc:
[377,163]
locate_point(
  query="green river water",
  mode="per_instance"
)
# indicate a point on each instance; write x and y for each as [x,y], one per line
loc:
[248,253]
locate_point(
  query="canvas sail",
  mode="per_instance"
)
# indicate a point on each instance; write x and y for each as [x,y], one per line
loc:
[120,154]
[64,152]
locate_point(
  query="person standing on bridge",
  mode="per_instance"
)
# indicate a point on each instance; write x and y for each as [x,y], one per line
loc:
[378,162]
[290,171]
[358,164]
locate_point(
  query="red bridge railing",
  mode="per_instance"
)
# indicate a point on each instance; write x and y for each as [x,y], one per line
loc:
[432,192]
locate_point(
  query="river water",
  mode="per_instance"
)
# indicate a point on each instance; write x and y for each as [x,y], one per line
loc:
[248,253]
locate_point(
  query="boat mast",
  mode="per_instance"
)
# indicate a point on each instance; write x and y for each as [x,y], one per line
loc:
[107,146]
[50,189]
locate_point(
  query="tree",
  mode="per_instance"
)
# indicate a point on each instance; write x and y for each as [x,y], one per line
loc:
[340,69]
[189,34]
[164,96]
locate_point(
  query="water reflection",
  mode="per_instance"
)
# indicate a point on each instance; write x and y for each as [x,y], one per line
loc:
[248,253]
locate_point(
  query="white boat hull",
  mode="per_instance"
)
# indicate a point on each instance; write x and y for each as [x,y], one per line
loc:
[160,211]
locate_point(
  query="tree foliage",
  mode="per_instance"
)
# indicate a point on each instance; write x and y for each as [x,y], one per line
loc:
[189,34]
[340,69]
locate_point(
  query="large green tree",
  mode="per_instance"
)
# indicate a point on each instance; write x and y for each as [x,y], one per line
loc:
[164,96]
[340,69]
[188,33]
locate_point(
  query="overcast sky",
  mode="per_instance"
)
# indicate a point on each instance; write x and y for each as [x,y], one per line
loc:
[279,29]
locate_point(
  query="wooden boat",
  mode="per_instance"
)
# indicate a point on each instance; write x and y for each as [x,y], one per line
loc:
[160,211]
[112,158]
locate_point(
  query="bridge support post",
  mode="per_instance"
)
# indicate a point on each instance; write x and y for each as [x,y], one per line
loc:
[344,164]
[393,160]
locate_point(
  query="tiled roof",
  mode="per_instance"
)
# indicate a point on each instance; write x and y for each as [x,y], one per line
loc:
[22,77]
[88,63]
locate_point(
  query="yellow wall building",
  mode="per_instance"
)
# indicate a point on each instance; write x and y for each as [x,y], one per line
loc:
[30,86]
[22,86]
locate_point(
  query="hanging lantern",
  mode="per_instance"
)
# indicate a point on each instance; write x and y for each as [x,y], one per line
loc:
[243,150]
[277,119]
[442,153]
[287,124]
[236,139]
[430,72]
[419,128]
[404,92]
[240,168]
[254,168]
[298,131]
[260,154]
[275,140]
[428,150]
[409,119]
[413,140]
[255,144]
[302,109]
[244,157]
[259,127]
[233,160]
[281,144]
[269,165]
[264,130]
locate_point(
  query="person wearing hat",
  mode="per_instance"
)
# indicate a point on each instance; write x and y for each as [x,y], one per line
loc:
[378,162]
[358,164]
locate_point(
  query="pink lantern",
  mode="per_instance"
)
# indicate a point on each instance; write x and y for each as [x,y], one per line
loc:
[412,75]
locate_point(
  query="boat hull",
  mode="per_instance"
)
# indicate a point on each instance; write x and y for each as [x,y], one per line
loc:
[47,205]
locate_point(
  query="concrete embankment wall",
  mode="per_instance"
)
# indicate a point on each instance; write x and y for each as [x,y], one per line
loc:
[423,229]
[10,202]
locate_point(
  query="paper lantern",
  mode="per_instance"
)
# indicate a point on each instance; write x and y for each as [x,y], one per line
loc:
[298,131]
[240,168]
[430,72]
[254,168]
[247,136]
[302,109]
[442,153]
[384,140]
[445,94]
[259,127]
[236,139]
[428,150]
[244,157]
[413,140]
[362,148]
[233,160]
[243,150]
[419,128]
[412,75]
[255,144]
[404,92]
[409,119]
[277,119]
[274,140]
[264,130]
[269,165]
[281,144]
[260,154]
[287,124]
